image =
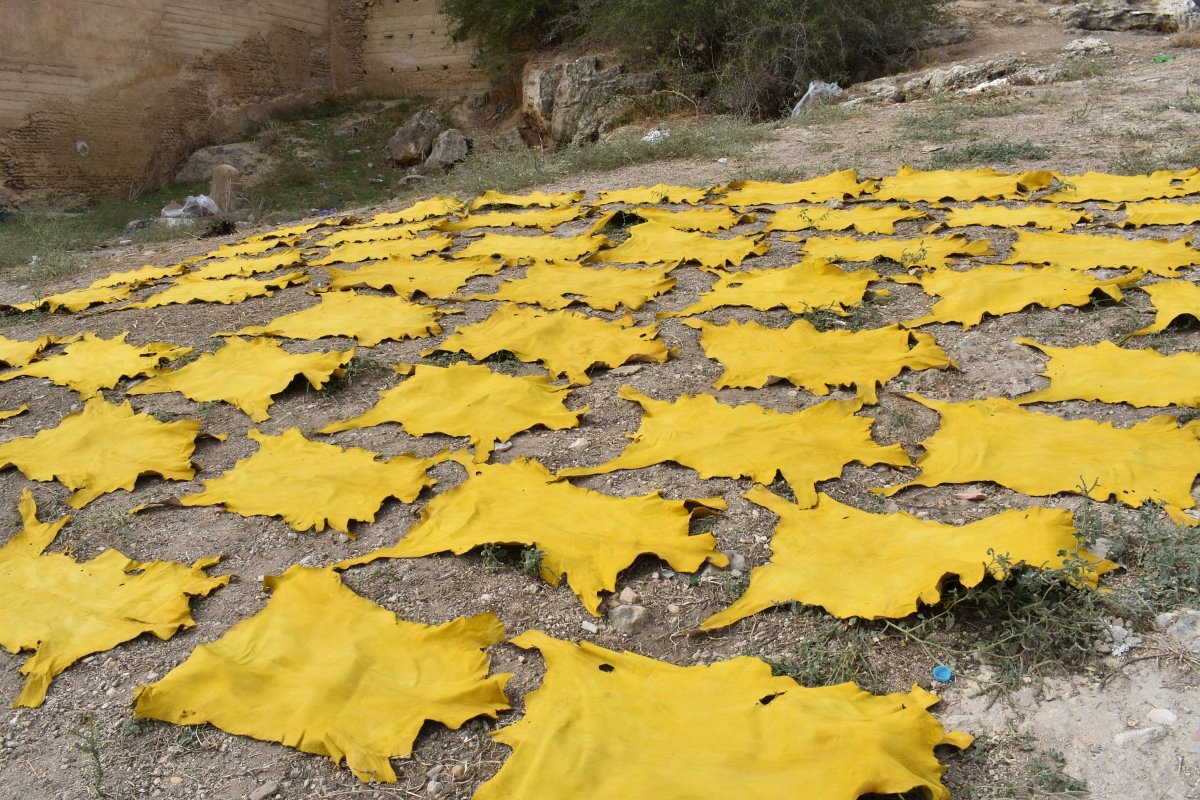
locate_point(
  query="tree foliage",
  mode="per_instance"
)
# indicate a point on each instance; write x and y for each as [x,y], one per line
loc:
[748,56]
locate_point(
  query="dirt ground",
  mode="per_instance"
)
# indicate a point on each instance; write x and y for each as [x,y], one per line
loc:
[84,739]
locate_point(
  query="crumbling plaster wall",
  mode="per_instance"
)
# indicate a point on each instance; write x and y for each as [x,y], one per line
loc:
[109,96]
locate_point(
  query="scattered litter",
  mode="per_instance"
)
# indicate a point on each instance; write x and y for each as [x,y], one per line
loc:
[817,90]
[200,205]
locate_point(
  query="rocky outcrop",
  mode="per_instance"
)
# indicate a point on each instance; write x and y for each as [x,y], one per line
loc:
[972,78]
[1124,15]
[570,101]
[1090,47]
[955,31]
[413,141]
[450,148]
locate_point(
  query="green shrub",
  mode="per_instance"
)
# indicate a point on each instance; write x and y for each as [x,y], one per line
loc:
[748,56]
[501,29]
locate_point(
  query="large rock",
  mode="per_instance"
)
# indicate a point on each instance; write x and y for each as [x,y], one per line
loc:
[955,31]
[413,141]
[245,157]
[570,101]
[450,147]
[1124,15]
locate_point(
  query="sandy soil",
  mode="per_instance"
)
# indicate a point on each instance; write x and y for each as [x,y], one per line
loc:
[1087,124]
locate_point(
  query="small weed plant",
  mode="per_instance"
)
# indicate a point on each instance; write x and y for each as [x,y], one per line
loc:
[945,118]
[834,652]
[89,741]
[497,558]
[989,151]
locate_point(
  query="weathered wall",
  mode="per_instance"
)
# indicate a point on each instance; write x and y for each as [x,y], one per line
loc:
[108,96]
[407,51]
[102,96]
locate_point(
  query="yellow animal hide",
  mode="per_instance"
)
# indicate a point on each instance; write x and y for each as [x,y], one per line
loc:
[66,609]
[313,484]
[566,343]
[605,725]
[587,536]
[749,441]
[103,448]
[879,566]
[328,672]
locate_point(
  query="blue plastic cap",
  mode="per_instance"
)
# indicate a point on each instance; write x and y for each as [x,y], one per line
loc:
[943,674]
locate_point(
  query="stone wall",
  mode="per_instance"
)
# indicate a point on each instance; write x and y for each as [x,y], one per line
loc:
[109,96]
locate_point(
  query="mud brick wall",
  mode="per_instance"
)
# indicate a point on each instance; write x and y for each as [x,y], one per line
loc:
[103,97]
[107,96]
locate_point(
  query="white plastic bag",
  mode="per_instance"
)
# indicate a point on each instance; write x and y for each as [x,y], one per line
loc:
[816,90]
[199,206]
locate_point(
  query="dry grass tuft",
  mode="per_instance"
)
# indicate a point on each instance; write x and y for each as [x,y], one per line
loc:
[1189,38]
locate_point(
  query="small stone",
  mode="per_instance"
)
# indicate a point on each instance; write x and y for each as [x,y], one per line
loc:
[1186,628]
[737,563]
[434,788]
[1091,46]
[176,780]
[629,596]
[485,598]
[578,444]
[626,371]
[502,446]
[672,609]
[1162,716]
[589,626]
[1140,736]
[1164,620]
[268,789]
[343,538]
[629,619]
[1101,646]
[457,771]
[434,771]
